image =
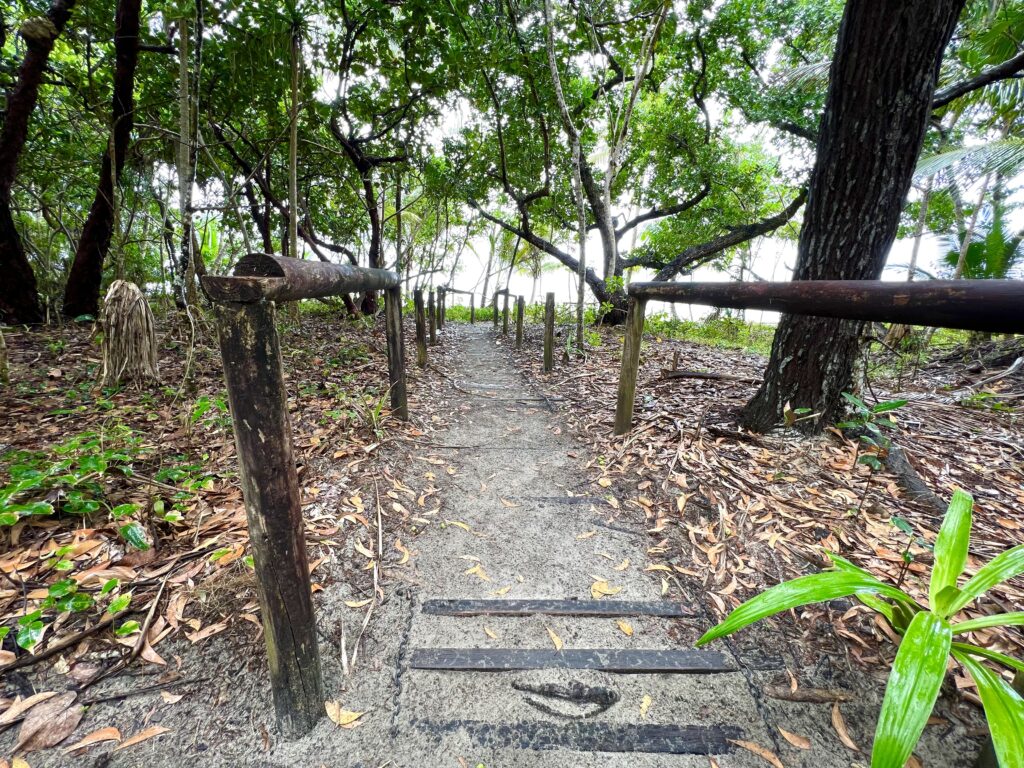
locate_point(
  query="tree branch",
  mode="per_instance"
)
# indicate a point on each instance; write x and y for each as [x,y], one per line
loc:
[1007,69]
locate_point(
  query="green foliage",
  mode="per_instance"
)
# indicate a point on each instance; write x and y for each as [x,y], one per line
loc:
[872,420]
[920,663]
[723,331]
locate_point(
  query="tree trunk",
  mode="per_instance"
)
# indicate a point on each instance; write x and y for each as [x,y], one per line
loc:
[19,297]
[881,86]
[293,153]
[181,276]
[82,292]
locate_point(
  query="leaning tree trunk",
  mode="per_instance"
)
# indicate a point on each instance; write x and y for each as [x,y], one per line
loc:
[19,297]
[82,292]
[879,100]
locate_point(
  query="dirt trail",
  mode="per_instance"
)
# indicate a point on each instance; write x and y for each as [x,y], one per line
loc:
[506,511]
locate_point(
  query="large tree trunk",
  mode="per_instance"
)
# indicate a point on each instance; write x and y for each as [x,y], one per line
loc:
[82,292]
[879,100]
[19,298]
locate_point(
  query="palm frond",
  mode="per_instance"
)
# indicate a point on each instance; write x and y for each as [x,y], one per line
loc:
[1004,156]
[812,76]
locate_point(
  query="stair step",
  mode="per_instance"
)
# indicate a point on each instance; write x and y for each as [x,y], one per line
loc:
[660,608]
[604,660]
[591,736]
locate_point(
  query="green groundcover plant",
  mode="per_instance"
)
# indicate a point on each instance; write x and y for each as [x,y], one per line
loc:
[927,637]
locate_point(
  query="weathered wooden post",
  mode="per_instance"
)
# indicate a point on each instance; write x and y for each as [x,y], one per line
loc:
[270,489]
[432,318]
[421,328]
[504,316]
[520,310]
[441,292]
[472,309]
[396,351]
[630,365]
[494,306]
[549,332]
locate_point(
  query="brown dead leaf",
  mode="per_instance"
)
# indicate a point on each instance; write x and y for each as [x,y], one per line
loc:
[645,705]
[205,632]
[554,638]
[623,565]
[171,698]
[342,717]
[18,708]
[840,725]
[502,591]
[585,535]
[510,504]
[358,603]
[477,570]
[625,626]
[604,482]
[765,754]
[602,588]
[96,737]
[490,633]
[49,723]
[800,742]
[141,736]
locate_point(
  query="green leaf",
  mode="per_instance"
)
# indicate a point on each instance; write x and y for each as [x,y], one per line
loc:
[127,628]
[4,631]
[1004,711]
[816,587]
[8,518]
[902,524]
[118,604]
[856,401]
[134,535]
[123,510]
[29,634]
[1004,566]
[109,586]
[888,405]
[63,587]
[951,547]
[31,508]
[946,597]
[913,687]
[1014,619]
[986,653]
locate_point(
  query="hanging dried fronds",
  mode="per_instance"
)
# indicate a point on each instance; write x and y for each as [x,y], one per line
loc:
[129,338]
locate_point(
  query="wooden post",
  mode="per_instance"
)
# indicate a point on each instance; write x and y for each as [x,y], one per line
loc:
[504,316]
[440,308]
[630,365]
[421,328]
[396,351]
[520,309]
[472,309]
[549,332]
[494,305]
[432,318]
[270,489]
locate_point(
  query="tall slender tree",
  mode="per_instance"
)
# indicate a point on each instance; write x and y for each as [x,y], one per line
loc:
[881,87]
[82,292]
[19,297]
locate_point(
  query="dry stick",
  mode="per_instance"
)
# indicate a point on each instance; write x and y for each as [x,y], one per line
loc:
[141,691]
[29,660]
[136,649]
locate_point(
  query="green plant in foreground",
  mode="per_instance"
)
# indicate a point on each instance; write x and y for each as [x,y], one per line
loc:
[920,664]
[872,420]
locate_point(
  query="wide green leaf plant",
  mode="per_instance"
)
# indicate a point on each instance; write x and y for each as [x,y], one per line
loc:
[927,637]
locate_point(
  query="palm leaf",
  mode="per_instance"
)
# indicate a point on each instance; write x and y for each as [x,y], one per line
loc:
[1004,156]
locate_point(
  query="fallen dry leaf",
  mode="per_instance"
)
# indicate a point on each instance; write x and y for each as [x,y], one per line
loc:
[343,717]
[171,698]
[800,742]
[624,625]
[585,535]
[509,504]
[623,565]
[840,725]
[602,588]
[765,754]
[405,552]
[205,632]
[19,707]
[477,570]
[645,705]
[49,723]
[604,482]
[459,524]
[554,638]
[96,737]
[141,736]
[358,603]
[490,633]
[502,591]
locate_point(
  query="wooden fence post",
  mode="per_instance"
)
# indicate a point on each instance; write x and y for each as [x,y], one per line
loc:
[494,306]
[472,309]
[441,294]
[270,489]
[396,351]
[432,318]
[520,309]
[421,328]
[630,365]
[549,332]
[504,316]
